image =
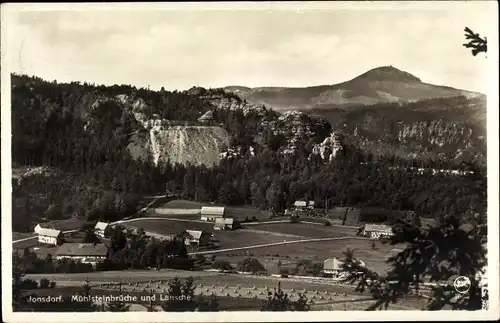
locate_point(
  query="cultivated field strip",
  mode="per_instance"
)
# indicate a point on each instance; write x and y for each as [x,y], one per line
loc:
[239,291]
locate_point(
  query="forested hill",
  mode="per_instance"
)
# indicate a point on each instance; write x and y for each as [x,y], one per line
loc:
[87,140]
[443,128]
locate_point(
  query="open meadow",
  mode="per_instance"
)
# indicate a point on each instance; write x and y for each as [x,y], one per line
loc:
[290,254]
[305,229]
[168,227]
[191,210]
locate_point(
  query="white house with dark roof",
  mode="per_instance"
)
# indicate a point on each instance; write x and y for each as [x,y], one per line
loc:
[377,231]
[224,224]
[197,237]
[300,204]
[333,267]
[101,229]
[84,252]
[49,236]
[210,213]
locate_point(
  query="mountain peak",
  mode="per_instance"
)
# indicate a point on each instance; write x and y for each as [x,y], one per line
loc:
[388,73]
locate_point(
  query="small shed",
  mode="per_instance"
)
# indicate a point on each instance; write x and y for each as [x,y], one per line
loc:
[377,231]
[101,229]
[224,224]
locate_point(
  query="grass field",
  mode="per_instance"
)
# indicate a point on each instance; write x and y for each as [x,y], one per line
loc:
[22,235]
[235,239]
[26,244]
[306,230]
[64,225]
[169,227]
[238,213]
[184,204]
[319,251]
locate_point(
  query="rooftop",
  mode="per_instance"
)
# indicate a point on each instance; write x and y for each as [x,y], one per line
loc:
[101,225]
[82,249]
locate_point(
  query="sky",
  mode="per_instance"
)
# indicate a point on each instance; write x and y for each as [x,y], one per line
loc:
[250,45]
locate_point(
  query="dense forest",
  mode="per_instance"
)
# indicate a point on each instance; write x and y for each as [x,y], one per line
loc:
[91,174]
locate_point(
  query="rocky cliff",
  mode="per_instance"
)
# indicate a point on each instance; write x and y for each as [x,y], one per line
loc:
[451,129]
[165,141]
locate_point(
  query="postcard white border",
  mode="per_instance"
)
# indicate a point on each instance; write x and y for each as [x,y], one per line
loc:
[492,141]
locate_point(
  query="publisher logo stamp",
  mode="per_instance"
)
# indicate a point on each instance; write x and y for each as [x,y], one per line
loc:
[462,284]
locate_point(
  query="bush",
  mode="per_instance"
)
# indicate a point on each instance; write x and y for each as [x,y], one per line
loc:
[254,218]
[328,224]
[29,284]
[222,265]
[284,271]
[251,265]
[44,283]
[52,285]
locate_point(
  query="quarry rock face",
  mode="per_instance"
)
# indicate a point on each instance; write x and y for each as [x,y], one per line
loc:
[188,144]
[165,141]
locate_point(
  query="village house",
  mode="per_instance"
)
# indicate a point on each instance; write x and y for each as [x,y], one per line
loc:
[310,205]
[83,252]
[197,238]
[101,229]
[300,205]
[333,267]
[210,213]
[224,224]
[49,236]
[377,231]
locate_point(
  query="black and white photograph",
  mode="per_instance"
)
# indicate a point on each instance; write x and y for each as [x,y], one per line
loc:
[226,161]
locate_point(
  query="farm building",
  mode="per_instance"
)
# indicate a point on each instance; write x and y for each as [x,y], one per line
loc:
[101,229]
[197,237]
[84,252]
[224,224]
[210,213]
[49,236]
[300,204]
[377,231]
[332,267]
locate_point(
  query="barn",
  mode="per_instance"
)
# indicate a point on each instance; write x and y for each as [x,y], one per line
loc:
[197,238]
[210,213]
[49,236]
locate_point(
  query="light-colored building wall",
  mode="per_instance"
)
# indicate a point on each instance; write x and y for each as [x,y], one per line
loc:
[47,240]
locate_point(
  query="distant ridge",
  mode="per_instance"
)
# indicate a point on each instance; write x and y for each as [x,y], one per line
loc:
[385,84]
